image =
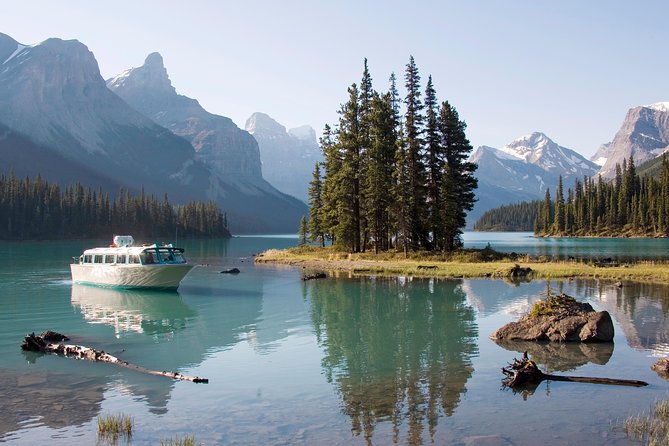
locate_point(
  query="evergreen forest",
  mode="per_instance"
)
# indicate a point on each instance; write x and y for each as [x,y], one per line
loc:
[510,217]
[629,205]
[36,209]
[395,174]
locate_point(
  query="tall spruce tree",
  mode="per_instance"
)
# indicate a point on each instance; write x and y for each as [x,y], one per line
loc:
[435,164]
[413,133]
[316,222]
[459,183]
[379,178]
[349,177]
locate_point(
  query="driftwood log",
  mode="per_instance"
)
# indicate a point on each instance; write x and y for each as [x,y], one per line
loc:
[51,342]
[524,372]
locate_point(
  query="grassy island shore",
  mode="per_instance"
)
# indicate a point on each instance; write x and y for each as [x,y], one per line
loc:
[463,264]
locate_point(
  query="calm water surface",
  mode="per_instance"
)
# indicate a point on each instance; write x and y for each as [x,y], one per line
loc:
[336,361]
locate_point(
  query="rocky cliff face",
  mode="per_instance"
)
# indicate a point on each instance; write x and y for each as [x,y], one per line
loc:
[288,156]
[218,142]
[644,134]
[53,94]
[231,154]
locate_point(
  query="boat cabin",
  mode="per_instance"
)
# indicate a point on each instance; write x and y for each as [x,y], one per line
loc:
[138,255]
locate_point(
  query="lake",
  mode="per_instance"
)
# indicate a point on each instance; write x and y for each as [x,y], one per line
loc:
[335,361]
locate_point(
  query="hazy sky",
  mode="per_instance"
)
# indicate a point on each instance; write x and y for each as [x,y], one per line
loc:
[569,68]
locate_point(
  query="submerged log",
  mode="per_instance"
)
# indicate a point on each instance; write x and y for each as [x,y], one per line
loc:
[522,372]
[43,344]
[314,276]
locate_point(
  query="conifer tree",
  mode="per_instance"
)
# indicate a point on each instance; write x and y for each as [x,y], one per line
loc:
[379,179]
[459,185]
[316,222]
[415,167]
[303,232]
[435,164]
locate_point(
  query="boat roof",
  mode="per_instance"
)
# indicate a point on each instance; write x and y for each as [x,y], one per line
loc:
[127,249]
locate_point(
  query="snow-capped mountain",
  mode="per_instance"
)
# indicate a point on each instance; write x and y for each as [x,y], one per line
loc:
[230,153]
[643,134]
[523,169]
[288,156]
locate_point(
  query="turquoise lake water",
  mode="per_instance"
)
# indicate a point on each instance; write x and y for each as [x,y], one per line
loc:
[335,361]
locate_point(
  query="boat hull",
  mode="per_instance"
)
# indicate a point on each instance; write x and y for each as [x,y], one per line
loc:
[160,277]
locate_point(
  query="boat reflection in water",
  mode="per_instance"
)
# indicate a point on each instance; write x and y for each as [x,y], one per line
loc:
[131,311]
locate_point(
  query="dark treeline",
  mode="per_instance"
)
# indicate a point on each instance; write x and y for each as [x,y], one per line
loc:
[627,205]
[511,217]
[36,209]
[393,180]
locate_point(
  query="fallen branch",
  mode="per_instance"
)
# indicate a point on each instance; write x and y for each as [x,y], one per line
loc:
[51,342]
[524,372]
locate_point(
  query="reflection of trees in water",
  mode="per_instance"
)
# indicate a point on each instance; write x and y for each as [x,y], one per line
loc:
[397,350]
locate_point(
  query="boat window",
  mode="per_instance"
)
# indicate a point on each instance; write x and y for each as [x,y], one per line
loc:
[120,258]
[88,258]
[134,258]
[166,256]
[109,258]
[148,257]
[97,258]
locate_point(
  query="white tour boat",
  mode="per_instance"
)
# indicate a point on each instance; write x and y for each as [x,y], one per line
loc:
[123,265]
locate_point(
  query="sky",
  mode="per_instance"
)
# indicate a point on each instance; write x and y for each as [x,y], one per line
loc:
[571,69]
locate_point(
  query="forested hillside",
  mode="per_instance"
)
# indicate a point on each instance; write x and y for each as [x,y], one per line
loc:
[511,217]
[36,209]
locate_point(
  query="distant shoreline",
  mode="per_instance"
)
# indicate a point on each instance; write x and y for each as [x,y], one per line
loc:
[459,265]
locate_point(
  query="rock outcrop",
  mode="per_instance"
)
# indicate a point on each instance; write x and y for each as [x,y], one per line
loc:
[559,319]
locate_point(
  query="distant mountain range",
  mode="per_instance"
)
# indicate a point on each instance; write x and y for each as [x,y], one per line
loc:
[59,119]
[288,156]
[522,170]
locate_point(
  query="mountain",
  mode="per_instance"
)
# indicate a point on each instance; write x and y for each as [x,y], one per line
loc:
[643,134]
[55,105]
[231,154]
[522,170]
[288,156]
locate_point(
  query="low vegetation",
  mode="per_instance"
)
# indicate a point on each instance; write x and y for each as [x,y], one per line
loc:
[112,427]
[652,428]
[461,264]
[188,440]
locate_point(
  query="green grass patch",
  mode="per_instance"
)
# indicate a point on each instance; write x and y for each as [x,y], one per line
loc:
[112,427]
[461,264]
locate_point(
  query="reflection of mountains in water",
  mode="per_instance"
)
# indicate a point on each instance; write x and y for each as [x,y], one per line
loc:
[137,311]
[56,400]
[397,350]
[641,309]
[490,296]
